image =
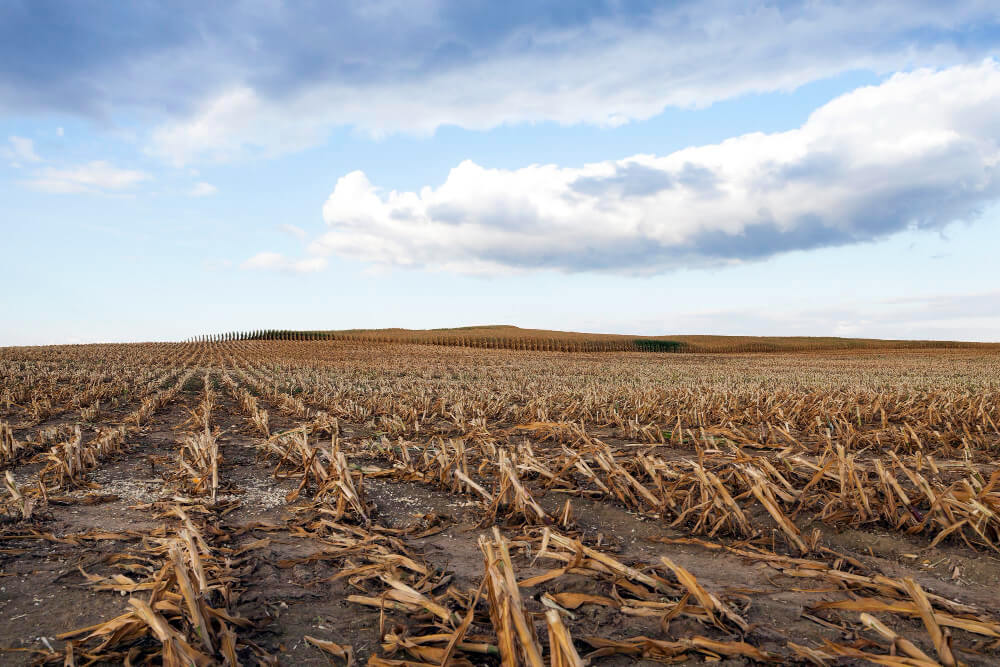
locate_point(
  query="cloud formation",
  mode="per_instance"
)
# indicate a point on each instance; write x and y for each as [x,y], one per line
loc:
[227,79]
[918,151]
[602,66]
[98,176]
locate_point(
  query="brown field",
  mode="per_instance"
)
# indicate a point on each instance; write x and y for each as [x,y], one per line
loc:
[507,337]
[317,502]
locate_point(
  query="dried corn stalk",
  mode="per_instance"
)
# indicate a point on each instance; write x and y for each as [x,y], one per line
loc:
[515,632]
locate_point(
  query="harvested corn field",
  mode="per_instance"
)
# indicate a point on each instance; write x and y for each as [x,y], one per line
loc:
[309,502]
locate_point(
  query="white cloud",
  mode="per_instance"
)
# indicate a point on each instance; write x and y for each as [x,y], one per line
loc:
[239,121]
[273,261]
[20,149]
[606,71]
[920,150]
[99,176]
[60,132]
[203,189]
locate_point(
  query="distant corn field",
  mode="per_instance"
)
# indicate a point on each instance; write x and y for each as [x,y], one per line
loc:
[514,338]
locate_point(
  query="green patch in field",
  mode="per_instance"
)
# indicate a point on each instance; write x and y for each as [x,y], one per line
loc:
[655,345]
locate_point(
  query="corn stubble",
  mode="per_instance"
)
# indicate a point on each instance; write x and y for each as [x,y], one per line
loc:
[759,458]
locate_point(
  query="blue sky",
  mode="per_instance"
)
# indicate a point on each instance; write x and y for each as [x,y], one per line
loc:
[735,168]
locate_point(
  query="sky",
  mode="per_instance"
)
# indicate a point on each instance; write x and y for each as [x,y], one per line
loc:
[744,168]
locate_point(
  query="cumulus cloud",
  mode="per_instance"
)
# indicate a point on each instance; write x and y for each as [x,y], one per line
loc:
[918,151]
[98,176]
[20,149]
[273,261]
[203,189]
